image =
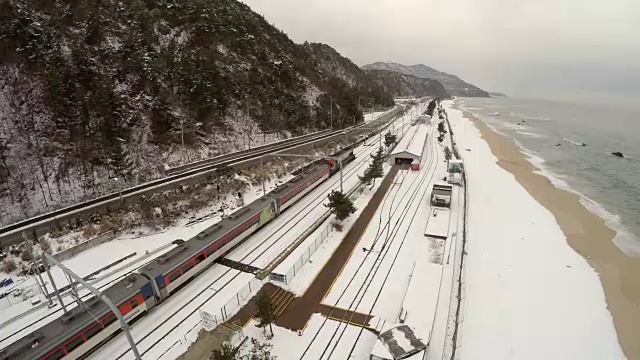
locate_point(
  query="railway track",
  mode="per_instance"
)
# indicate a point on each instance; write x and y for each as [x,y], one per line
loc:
[191,306]
[41,224]
[391,232]
[128,271]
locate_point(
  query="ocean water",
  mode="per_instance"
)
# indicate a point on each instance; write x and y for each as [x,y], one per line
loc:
[550,132]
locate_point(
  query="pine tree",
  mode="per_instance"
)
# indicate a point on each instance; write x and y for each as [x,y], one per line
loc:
[341,206]
[389,139]
[266,312]
[225,352]
[260,351]
[374,170]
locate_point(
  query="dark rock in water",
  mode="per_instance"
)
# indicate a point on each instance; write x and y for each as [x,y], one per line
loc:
[618,154]
[583,144]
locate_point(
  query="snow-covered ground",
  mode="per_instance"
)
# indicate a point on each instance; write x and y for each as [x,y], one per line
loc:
[527,294]
[177,320]
[213,289]
[374,115]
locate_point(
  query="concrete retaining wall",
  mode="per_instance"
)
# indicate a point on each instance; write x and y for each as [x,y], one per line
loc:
[91,243]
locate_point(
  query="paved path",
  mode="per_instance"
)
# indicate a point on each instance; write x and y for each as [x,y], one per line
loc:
[347,316]
[298,313]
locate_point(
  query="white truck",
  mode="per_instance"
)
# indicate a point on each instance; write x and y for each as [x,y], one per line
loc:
[441,195]
[455,170]
[454,178]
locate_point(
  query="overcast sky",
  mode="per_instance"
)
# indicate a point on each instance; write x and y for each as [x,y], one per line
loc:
[568,49]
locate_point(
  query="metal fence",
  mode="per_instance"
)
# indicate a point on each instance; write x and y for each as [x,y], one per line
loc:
[210,320]
[456,314]
[457,298]
[304,258]
[21,294]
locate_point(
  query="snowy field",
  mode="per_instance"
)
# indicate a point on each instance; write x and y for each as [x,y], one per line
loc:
[175,324]
[178,318]
[527,294]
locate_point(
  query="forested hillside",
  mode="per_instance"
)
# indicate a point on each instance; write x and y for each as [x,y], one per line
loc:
[453,84]
[403,85]
[343,74]
[97,95]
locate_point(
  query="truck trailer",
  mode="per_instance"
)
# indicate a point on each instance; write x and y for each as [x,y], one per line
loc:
[441,195]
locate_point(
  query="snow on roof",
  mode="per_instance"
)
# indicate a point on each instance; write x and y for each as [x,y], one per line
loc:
[422,295]
[413,141]
[438,223]
[399,342]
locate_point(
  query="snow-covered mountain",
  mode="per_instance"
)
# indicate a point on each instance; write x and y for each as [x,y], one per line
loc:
[93,91]
[454,85]
[342,73]
[404,85]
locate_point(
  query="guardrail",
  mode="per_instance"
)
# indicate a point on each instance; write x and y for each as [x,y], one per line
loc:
[12,234]
[220,158]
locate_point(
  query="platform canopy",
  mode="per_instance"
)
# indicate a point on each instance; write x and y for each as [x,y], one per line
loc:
[411,145]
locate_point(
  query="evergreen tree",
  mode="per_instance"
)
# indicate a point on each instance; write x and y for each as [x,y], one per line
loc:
[390,139]
[266,311]
[225,352]
[374,170]
[431,107]
[261,351]
[341,206]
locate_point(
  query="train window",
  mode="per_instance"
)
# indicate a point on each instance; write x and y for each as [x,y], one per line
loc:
[174,275]
[134,303]
[73,344]
[92,331]
[186,267]
[211,249]
[108,320]
[56,355]
[200,258]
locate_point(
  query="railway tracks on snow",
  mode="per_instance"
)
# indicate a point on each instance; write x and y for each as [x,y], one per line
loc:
[41,224]
[392,230]
[182,314]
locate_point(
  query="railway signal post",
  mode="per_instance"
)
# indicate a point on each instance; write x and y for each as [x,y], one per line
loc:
[123,324]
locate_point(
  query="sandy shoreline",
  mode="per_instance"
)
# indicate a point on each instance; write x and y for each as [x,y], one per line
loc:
[586,233]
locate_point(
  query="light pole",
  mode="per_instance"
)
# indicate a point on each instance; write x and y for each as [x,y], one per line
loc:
[182,139]
[123,323]
[119,190]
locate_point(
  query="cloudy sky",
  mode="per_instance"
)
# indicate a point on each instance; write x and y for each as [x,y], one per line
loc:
[567,49]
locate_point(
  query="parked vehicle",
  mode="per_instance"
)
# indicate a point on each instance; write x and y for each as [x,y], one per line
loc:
[441,195]
[79,332]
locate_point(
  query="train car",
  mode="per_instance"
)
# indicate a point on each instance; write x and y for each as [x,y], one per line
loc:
[77,332]
[343,157]
[74,335]
[176,267]
[301,184]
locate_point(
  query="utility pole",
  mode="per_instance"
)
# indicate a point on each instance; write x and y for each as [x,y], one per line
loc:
[119,190]
[182,139]
[340,163]
[53,284]
[264,192]
[331,111]
[123,323]
[43,287]
[248,132]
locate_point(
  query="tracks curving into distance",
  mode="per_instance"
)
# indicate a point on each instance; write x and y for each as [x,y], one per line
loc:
[198,301]
[391,230]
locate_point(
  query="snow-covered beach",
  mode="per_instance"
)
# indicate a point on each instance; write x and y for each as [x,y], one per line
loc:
[542,277]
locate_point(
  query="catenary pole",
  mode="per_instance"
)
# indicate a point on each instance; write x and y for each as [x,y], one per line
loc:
[123,323]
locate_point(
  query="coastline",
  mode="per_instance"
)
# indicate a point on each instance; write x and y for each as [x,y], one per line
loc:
[585,232]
